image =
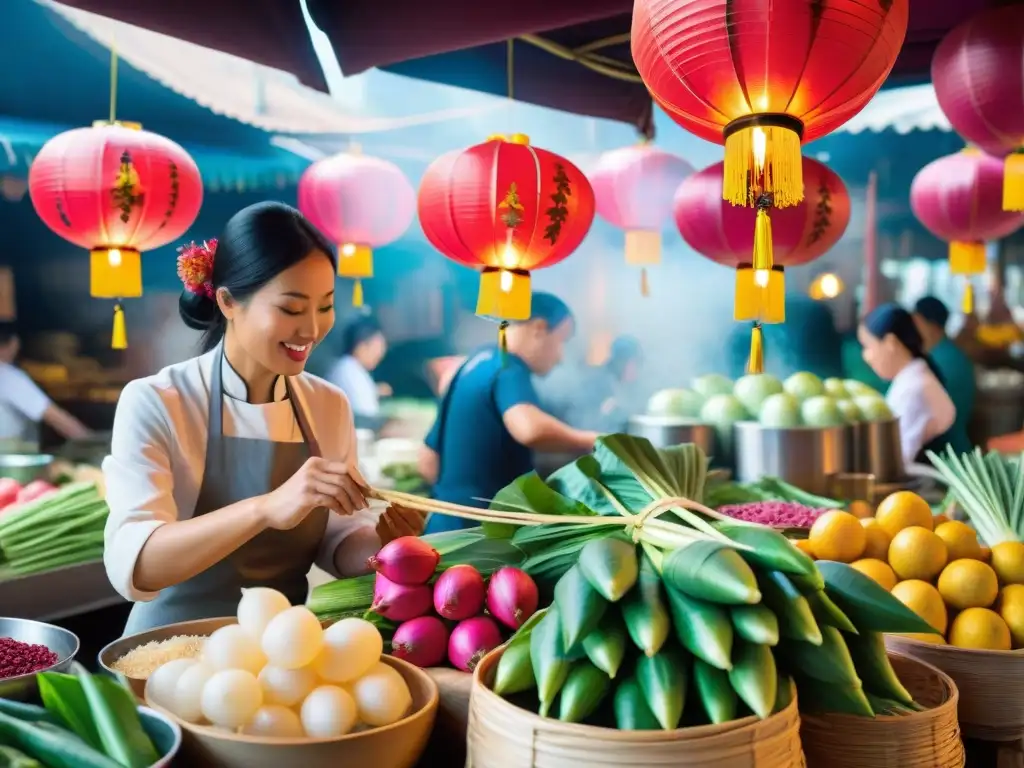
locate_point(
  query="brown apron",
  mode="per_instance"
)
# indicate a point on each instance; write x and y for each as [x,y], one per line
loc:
[239,468]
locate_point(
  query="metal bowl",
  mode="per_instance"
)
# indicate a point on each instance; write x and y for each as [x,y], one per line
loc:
[807,457]
[25,467]
[59,640]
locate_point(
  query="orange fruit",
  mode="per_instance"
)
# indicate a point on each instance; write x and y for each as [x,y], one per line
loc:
[860,509]
[961,540]
[917,553]
[837,535]
[924,600]
[877,570]
[980,628]
[903,509]
[804,545]
[877,546]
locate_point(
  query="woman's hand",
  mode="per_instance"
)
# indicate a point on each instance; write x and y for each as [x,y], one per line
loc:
[384,390]
[318,483]
[396,522]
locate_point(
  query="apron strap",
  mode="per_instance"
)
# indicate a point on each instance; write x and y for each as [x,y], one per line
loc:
[216,409]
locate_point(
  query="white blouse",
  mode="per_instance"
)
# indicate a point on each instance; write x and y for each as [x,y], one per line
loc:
[922,405]
[158,451]
[357,383]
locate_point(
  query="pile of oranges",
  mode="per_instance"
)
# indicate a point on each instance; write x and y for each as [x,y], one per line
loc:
[937,567]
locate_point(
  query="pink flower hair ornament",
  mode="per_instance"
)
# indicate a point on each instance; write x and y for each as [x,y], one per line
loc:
[195,267]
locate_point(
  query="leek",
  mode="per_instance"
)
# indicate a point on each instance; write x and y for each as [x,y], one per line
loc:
[989,488]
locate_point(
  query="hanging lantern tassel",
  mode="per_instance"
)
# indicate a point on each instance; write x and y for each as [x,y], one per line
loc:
[762,157]
[968,301]
[763,255]
[645,287]
[357,293]
[503,340]
[355,262]
[967,258]
[1013,182]
[119,334]
[756,362]
[643,249]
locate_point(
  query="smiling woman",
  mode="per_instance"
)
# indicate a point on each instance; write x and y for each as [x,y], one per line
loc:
[237,469]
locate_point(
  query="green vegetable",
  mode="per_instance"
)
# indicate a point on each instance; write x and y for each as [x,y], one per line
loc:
[583,691]
[754,678]
[515,670]
[796,620]
[12,758]
[711,571]
[549,659]
[580,607]
[117,720]
[821,698]
[827,612]
[990,488]
[631,710]
[755,624]
[867,604]
[874,668]
[30,713]
[770,550]
[829,662]
[610,565]
[663,679]
[715,692]
[64,696]
[703,628]
[52,746]
[605,646]
[784,691]
[643,609]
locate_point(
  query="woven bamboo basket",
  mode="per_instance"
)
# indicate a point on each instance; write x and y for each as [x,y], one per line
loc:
[929,739]
[502,735]
[991,707]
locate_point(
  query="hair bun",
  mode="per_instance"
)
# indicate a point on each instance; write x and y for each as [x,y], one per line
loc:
[198,311]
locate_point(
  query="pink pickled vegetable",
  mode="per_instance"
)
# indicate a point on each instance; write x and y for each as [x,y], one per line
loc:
[35,490]
[422,641]
[399,602]
[777,514]
[9,490]
[471,640]
[407,560]
[459,593]
[512,597]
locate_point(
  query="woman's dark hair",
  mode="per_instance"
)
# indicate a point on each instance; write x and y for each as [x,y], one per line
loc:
[258,243]
[890,318]
[361,327]
[625,350]
[8,332]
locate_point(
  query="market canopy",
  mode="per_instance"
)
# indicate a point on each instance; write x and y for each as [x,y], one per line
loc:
[573,55]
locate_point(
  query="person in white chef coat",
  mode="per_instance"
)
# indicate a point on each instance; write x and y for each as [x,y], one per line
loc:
[236,469]
[894,349]
[23,405]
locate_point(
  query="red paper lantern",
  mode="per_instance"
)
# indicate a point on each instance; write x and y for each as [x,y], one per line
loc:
[958,198]
[360,203]
[978,72]
[633,189]
[506,208]
[725,234]
[116,190]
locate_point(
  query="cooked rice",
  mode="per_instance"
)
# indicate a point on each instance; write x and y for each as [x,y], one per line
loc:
[141,662]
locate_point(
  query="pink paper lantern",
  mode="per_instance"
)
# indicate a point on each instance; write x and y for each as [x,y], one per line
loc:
[978,72]
[116,190]
[633,189]
[360,203]
[958,198]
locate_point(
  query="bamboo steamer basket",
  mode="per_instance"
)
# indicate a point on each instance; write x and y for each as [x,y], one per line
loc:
[929,739]
[399,745]
[502,735]
[989,683]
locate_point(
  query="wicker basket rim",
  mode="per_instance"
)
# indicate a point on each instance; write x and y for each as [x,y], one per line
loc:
[480,688]
[953,649]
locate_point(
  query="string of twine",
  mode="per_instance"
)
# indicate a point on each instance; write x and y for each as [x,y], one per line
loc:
[646,519]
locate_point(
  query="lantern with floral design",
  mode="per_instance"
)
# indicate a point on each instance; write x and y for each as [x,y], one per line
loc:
[633,189]
[762,78]
[117,191]
[505,208]
[724,234]
[977,71]
[360,203]
[958,198]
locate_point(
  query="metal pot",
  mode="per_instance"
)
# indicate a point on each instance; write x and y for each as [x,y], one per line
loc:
[25,467]
[805,456]
[874,448]
[667,431]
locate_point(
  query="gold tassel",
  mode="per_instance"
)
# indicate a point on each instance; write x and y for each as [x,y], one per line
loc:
[967,257]
[119,334]
[645,287]
[756,362]
[357,293]
[1013,182]
[763,160]
[763,257]
[503,340]
[968,300]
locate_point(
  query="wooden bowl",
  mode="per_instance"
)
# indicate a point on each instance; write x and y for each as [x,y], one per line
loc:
[398,745]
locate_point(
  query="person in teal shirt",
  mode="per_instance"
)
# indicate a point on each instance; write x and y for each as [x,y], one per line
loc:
[931,316]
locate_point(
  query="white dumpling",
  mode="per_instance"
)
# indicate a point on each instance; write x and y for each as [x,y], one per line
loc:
[328,712]
[382,696]
[162,684]
[274,721]
[231,697]
[287,687]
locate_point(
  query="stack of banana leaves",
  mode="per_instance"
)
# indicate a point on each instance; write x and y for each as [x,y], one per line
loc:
[660,613]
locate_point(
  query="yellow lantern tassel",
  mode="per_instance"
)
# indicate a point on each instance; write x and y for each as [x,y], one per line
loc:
[645,287]
[503,340]
[1013,182]
[763,256]
[967,258]
[762,157]
[756,362]
[119,334]
[357,293]
[968,300]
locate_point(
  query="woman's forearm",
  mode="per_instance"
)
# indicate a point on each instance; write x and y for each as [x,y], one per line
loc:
[351,556]
[177,551]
